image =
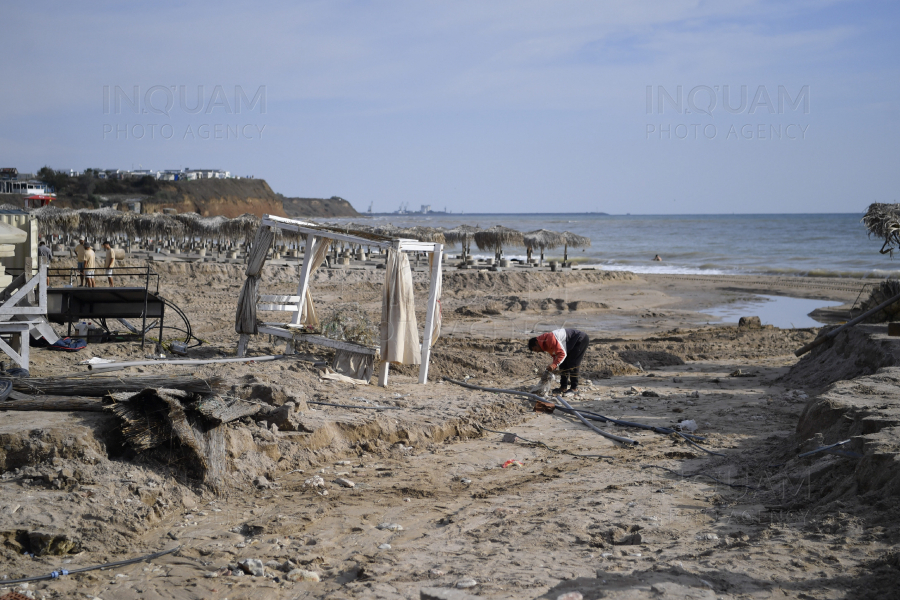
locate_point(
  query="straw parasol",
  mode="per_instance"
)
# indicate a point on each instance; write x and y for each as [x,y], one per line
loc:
[573,240]
[883,220]
[543,239]
[462,235]
[498,236]
[424,234]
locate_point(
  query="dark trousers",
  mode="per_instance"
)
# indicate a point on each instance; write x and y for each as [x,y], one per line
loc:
[576,345]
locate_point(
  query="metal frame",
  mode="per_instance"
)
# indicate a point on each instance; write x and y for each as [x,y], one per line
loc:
[146,272]
[295,303]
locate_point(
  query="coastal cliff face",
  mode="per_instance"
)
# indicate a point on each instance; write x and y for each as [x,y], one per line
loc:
[210,197]
[213,197]
[318,207]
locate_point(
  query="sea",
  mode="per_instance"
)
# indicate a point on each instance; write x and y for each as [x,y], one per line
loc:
[812,245]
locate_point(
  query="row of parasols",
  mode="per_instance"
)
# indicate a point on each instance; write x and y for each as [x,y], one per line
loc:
[110,223]
[493,239]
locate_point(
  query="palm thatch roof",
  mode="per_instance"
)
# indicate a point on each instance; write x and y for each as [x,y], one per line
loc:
[883,221]
[543,239]
[424,234]
[574,240]
[461,234]
[498,236]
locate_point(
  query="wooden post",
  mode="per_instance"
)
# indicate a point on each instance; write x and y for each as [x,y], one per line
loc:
[438,254]
[311,244]
[242,344]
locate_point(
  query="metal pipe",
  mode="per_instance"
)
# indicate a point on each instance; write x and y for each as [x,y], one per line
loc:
[850,323]
[115,366]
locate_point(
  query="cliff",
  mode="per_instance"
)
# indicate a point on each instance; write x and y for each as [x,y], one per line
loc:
[211,197]
[318,207]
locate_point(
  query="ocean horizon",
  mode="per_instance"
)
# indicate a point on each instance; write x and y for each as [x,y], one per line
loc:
[789,244]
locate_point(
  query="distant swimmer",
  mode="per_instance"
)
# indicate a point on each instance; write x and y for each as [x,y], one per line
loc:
[657,258]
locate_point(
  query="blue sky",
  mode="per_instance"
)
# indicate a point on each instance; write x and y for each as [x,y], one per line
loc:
[505,106]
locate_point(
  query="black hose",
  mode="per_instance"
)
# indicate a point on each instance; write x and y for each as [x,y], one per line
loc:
[700,474]
[64,572]
[537,443]
[529,395]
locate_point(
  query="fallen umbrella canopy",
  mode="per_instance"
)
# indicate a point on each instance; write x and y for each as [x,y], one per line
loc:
[610,436]
[62,572]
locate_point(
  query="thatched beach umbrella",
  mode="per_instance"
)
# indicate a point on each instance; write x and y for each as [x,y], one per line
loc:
[424,234]
[498,236]
[463,235]
[543,239]
[575,241]
[55,221]
[883,220]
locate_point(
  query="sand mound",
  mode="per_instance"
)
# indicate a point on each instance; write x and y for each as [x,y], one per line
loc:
[854,352]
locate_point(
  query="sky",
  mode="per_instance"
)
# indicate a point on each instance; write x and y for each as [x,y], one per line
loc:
[632,106]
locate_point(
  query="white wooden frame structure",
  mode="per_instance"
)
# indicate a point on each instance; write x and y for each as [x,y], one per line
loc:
[294,304]
[18,317]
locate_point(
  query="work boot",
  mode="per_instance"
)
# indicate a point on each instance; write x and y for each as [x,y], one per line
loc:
[559,391]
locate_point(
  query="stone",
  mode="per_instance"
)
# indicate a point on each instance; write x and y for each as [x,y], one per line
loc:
[750,323]
[466,583]
[262,483]
[252,566]
[695,394]
[390,526]
[344,482]
[384,547]
[570,596]
[315,482]
[302,575]
[650,394]
[435,593]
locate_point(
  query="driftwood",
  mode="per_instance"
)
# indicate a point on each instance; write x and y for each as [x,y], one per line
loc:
[20,401]
[98,387]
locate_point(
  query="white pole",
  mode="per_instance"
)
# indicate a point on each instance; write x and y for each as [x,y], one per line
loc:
[114,366]
[383,375]
[437,253]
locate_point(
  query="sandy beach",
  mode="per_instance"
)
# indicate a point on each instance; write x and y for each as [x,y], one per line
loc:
[440,500]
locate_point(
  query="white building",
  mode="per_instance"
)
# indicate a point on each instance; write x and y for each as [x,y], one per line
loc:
[29,187]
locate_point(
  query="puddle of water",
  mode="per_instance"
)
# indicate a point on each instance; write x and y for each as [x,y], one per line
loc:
[781,311]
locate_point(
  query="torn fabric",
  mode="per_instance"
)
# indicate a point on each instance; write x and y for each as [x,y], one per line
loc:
[319,247]
[399,332]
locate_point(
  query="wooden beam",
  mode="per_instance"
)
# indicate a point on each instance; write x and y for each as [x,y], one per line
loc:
[429,313]
[309,230]
[278,307]
[279,299]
